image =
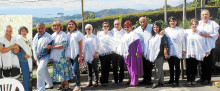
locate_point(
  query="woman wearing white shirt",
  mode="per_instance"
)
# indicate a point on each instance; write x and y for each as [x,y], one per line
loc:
[74,49]
[62,71]
[105,51]
[196,50]
[209,30]
[90,54]
[176,43]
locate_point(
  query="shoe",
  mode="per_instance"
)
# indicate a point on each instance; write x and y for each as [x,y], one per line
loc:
[142,82]
[116,82]
[66,87]
[131,85]
[169,82]
[189,84]
[128,83]
[49,88]
[175,84]
[194,84]
[148,83]
[202,81]
[154,86]
[104,84]
[120,81]
[161,84]
[95,84]
[60,88]
[77,88]
[89,85]
[209,82]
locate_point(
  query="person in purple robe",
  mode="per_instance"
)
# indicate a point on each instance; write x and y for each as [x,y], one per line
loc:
[130,49]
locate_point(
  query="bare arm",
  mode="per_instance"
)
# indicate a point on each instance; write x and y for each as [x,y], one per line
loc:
[7,49]
[80,50]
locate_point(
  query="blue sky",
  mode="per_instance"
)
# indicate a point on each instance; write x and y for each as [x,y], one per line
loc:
[50,8]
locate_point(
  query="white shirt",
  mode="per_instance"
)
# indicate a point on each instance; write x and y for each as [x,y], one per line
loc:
[56,54]
[176,41]
[145,35]
[210,28]
[72,49]
[91,47]
[195,45]
[107,43]
[117,35]
[9,59]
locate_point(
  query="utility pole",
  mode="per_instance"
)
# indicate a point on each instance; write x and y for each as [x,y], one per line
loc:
[184,13]
[165,11]
[83,29]
[202,3]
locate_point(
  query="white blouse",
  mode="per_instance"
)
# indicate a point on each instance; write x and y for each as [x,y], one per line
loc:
[210,28]
[176,41]
[107,43]
[56,54]
[72,49]
[91,46]
[195,45]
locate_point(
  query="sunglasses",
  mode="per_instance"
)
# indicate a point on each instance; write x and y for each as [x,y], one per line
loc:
[105,26]
[88,29]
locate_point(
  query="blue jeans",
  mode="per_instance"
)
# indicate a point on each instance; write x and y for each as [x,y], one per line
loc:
[76,70]
[26,74]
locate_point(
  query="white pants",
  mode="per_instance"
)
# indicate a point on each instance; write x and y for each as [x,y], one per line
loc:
[43,74]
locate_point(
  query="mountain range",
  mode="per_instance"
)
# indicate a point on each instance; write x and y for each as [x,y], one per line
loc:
[105,12]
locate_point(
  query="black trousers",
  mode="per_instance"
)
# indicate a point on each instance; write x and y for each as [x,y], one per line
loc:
[13,72]
[93,66]
[105,68]
[0,73]
[148,66]
[174,61]
[191,69]
[206,66]
[118,61]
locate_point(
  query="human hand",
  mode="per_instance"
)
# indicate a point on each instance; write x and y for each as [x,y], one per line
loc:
[26,56]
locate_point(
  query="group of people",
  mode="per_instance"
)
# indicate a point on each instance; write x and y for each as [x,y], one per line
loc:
[139,51]
[15,53]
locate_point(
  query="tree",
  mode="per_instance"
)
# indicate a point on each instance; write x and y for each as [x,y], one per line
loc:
[197,3]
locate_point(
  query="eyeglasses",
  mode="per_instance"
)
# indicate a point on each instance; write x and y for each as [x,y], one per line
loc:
[105,26]
[88,29]
[126,27]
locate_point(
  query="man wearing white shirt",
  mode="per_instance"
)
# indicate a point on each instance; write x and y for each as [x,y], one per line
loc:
[117,33]
[144,32]
[208,29]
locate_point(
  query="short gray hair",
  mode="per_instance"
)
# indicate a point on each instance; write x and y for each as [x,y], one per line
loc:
[89,25]
[38,24]
[204,11]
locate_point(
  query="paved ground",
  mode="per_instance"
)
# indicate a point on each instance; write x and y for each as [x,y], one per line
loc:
[124,87]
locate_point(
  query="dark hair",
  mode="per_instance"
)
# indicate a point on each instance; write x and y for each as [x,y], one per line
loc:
[159,25]
[67,29]
[172,18]
[22,27]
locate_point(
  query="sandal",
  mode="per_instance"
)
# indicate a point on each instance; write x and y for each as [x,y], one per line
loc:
[194,84]
[60,87]
[77,88]
[66,87]
[189,84]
